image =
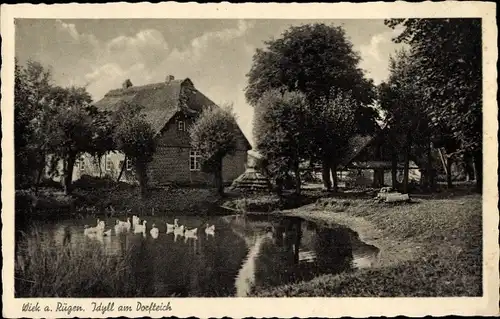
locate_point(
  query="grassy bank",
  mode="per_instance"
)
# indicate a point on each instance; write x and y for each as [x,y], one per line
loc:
[432,247]
[97,196]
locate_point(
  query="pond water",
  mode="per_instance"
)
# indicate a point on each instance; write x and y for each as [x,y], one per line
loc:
[244,252]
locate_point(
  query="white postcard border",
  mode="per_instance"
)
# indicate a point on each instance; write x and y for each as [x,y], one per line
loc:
[266,307]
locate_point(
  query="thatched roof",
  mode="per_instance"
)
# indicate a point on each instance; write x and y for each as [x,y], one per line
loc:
[252,180]
[356,144]
[160,101]
[359,143]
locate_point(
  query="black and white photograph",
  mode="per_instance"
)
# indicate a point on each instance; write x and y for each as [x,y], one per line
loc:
[181,158]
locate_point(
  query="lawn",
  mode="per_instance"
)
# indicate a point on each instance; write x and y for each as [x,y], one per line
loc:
[432,247]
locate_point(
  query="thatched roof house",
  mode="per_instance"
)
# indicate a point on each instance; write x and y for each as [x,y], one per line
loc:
[170,107]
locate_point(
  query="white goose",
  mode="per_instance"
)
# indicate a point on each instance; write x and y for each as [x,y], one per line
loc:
[94,230]
[107,233]
[87,230]
[135,220]
[140,228]
[171,227]
[120,226]
[191,233]
[178,232]
[210,230]
[101,225]
[128,224]
[154,231]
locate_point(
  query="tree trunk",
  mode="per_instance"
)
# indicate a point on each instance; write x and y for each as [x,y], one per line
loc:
[39,177]
[40,169]
[431,174]
[478,165]
[449,161]
[100,166]
[218,180]
[327,182]
[333,169]
[68,173]
[378,177]
[406,172]
[469,167]
[474,168]
[142,177]
[298,182]
[121,170]
[394,169]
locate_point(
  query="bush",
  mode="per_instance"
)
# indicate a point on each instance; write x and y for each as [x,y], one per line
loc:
[90,182]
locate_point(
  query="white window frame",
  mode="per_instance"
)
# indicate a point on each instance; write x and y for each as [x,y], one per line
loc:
[196,157]
[128,164]
[181,126]
[107,160]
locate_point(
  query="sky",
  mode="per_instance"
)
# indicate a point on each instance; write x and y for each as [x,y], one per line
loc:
[215,54]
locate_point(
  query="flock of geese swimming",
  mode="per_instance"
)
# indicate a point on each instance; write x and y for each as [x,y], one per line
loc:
[135,226]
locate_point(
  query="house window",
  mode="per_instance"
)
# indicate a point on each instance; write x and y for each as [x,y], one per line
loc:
[194,161]
[107,163]
[82,164]
[128,164]
[181,126]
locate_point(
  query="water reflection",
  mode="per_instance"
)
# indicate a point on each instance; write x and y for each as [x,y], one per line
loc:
[241,254]
[294,250]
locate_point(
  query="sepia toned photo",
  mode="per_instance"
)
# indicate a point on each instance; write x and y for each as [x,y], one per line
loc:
[153,162]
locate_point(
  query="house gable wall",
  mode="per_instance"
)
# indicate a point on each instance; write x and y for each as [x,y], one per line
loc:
[171,162]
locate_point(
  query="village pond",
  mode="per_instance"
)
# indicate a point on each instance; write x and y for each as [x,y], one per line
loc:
[245,252]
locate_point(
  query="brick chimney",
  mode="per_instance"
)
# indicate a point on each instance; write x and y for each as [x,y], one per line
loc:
[126,84]
[169,78]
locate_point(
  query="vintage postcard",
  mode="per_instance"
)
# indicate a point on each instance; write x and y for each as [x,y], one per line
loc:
[249,160]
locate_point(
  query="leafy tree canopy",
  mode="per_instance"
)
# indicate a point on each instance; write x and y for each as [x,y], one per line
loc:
[448,59]
[214,135]
[133,135]
[282,130]
[313,59]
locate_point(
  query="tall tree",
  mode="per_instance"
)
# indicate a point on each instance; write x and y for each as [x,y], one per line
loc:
[449,57]
[32,84]
[281,125]
[103,128]
[335,124]
[69,132]
[214,136]
[407,121]
[319,61]
[134,137]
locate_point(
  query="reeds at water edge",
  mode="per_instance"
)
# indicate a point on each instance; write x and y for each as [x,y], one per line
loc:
[45,268]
